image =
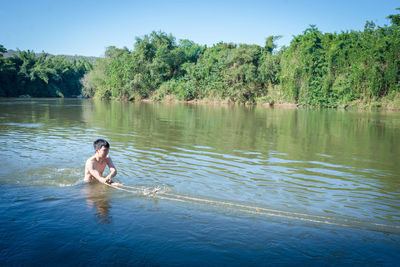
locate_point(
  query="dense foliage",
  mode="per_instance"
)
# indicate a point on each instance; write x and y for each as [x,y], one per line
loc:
[330,69]
[159,67]
[124,74]
[317,69]
[44,75]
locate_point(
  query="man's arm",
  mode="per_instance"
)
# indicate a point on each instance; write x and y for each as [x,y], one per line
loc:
[113,170]
[94,172]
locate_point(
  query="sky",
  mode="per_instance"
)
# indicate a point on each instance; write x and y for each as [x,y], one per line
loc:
[87,27]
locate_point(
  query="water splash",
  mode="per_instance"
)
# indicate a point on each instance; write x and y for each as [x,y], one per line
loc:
[48,176]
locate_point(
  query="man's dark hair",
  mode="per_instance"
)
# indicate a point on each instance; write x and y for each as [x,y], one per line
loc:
[99,143]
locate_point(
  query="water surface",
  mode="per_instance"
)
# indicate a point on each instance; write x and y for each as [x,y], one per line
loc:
[239,185]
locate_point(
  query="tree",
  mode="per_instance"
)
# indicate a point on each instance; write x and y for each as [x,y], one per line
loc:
[395,18]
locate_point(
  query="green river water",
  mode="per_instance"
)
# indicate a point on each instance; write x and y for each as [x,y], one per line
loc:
[239,185]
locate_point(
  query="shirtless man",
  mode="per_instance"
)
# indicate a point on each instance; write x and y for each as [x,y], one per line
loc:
[96,164]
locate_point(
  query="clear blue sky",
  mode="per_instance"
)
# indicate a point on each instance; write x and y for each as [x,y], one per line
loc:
[87,27]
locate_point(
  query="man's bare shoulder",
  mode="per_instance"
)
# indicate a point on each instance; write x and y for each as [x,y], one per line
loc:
[91,160]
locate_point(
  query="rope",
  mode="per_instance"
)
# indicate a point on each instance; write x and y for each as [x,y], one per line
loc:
[262,211]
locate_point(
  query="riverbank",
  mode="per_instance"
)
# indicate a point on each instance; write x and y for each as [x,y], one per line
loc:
[390,103]
[386,104]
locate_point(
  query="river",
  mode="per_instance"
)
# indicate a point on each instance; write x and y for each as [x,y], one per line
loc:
[238,185]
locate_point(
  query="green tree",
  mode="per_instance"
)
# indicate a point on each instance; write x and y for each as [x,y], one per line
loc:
[395,18]
[317,69]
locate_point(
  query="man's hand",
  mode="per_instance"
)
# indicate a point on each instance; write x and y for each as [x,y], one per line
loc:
[116,184]
[107,180]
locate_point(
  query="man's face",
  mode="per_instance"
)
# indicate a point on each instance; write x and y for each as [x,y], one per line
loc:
[102,152]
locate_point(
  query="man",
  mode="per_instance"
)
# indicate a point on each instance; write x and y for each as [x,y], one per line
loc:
[96,164]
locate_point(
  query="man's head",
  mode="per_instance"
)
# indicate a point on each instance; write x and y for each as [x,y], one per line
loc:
[101,147]
[99,143]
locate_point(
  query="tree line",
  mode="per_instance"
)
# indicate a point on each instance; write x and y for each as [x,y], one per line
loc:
[41,75]
[316,69]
